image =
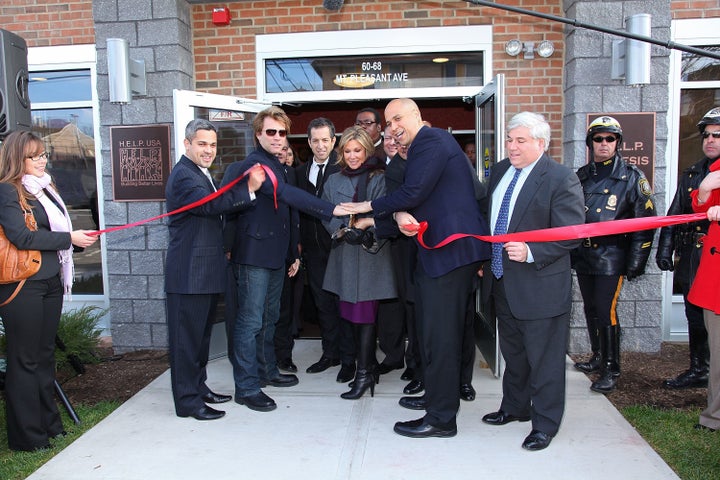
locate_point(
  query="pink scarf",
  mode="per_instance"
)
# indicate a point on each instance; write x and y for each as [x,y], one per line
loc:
[59,221]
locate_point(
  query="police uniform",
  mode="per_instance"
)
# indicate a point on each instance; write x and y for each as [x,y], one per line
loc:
[613,190]
[685,241]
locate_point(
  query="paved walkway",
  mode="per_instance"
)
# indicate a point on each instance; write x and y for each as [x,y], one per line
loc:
[314,434]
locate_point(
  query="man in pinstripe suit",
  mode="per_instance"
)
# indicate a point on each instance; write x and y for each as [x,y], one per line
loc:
[195,266]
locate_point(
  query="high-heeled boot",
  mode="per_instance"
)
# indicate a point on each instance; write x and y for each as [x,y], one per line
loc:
[365,376]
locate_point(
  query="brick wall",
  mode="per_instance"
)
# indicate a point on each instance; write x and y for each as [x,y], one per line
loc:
[225,56]
[695,9]
[44,23]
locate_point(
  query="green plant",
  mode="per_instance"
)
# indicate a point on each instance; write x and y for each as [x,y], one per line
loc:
[79,334]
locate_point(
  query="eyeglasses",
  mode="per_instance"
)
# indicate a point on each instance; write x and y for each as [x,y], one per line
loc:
[271,132]
[39,158]
[364,123]
[714,134]
[608,139]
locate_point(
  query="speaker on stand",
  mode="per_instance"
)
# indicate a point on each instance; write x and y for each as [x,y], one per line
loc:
[14,97]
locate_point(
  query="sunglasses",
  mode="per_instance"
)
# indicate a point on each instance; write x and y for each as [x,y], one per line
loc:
[608,139]
[271,132]
[714,134]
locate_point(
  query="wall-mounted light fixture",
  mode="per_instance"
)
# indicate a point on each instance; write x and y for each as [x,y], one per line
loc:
[515,46]
[125,76]
[631,58]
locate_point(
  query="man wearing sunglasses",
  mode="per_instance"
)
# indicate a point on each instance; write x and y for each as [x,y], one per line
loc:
[258,240]
[613,190]
[684,241]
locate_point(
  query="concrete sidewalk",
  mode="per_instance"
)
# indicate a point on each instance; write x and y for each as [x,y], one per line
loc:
[314,434]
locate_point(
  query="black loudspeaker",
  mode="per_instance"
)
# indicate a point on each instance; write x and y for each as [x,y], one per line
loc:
[14,98]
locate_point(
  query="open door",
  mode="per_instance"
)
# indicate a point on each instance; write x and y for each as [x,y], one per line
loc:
[233,118]
[489,133]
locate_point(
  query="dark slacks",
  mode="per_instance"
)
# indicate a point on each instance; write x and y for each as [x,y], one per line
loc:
[534,353]
[284,328]
[337,342]
[31,322]
[441,308]
[190,321]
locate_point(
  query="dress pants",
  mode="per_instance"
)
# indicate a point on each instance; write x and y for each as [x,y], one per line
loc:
[337,339]
[534,353]
[190,321]
[710,417]
[31,322]
[284,341]
[441,307]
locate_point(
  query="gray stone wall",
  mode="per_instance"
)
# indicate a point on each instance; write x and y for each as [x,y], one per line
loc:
[159,32]
[589,88]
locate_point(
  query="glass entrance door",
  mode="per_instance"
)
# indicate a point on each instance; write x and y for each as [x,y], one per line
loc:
[489,128]
[233,117]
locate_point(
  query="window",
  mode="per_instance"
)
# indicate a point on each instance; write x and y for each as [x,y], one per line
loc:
[62,115]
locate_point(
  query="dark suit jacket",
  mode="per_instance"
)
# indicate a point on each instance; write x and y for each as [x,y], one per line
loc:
[195,262]
[262,234]
[439,189]
[313,236]
[550,197]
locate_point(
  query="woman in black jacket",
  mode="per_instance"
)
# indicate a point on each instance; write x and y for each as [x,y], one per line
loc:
[31,318]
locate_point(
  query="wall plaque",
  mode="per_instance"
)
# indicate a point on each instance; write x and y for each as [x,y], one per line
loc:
[140,156]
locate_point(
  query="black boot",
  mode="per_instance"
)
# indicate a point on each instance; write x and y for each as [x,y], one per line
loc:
[610,366]
[697,375]
[365,376]
[593,364]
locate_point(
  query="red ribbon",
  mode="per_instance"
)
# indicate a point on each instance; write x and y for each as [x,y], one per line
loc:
[569,232]
[202,201]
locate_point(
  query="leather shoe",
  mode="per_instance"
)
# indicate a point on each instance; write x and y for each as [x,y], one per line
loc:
[321,365]
[346,373]
[419,429]
[413,403]
[537,440]
[501,418]
[384,368]
[258,402]
[414,387]
[408,374]
[206,413]
[281,380]
[212,397]
[287,365]
[467,392]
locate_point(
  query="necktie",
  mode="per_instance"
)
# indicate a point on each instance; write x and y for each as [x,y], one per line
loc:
[209,177]
[318,180]
[501,225]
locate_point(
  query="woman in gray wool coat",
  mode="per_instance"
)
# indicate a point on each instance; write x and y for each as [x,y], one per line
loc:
[357,271]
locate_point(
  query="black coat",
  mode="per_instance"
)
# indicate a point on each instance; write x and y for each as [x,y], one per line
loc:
[683,239]
[625,193]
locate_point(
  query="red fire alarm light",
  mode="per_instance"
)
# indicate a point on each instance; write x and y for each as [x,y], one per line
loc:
[221,16]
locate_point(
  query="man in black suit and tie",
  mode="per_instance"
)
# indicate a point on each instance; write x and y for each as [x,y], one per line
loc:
[436,189]
[194,267]
[337,341]
[530,283]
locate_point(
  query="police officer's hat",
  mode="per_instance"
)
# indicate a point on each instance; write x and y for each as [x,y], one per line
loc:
[711,118]
[601,125]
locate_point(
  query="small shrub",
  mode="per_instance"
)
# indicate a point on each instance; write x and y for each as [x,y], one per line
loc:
[80,335]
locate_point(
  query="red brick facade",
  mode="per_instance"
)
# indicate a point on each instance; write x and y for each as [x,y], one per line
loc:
[44,23]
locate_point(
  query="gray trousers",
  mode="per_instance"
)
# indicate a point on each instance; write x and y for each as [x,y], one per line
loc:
[710,417]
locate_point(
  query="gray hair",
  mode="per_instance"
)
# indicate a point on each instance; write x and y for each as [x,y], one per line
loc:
[536,123]
[198,124]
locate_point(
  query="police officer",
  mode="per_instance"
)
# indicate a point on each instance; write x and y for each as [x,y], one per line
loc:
[684,241]
[613,190]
